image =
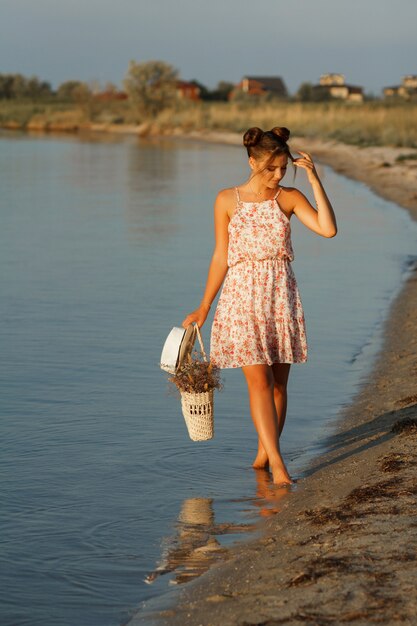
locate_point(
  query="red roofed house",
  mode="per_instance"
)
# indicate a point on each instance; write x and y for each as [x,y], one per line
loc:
[188,91]
[261,85]
[109,95]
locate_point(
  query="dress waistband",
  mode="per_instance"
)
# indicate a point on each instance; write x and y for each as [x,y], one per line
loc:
[267,258]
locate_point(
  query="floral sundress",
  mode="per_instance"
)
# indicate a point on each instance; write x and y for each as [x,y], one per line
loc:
[259,316]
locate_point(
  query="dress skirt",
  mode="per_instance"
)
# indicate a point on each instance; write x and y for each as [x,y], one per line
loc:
[259,316]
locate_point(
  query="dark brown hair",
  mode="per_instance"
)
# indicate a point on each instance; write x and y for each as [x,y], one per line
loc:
[272,143]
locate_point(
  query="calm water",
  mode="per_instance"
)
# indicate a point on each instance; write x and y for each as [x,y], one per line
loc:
[104,246]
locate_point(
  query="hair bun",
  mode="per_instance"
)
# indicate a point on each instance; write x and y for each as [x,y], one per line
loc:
[281,132]
[252,136]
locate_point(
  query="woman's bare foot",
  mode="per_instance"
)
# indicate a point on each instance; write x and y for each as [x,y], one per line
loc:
[280,475]
[261,461]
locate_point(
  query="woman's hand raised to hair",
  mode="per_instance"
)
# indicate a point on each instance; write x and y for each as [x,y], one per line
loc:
[306,162]
[199,316]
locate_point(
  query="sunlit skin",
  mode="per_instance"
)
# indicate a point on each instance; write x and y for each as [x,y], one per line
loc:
[267,384]
[269,496]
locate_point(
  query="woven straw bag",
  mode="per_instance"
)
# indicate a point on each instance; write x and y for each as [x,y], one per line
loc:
[197,408]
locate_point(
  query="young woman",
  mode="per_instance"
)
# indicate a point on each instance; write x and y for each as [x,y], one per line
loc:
[259,321]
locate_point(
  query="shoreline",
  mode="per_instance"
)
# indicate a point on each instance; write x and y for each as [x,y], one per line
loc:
[344,547]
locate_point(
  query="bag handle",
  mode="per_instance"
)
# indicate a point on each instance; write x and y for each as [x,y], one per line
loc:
[200,339]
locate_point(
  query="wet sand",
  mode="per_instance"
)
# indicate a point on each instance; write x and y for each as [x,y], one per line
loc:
[343,548]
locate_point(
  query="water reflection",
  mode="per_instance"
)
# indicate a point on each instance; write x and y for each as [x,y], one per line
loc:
[195,547]
[92,168]
[268,494]
[149,213]
[148,167]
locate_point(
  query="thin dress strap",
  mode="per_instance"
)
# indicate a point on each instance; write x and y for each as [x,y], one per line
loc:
[277,194]
[237,194]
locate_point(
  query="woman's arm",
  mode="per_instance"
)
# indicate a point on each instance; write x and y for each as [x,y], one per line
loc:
[218,265]
[322,221]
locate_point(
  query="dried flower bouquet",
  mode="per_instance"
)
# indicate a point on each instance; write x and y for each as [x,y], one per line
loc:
[196,376]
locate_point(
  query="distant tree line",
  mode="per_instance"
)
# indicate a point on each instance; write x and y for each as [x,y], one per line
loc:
[307,92]
[220,93]
[18,87]
[149,87]
[145,83]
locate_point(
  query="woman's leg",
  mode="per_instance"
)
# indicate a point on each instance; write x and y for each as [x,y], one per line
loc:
[260,380]
[281,372]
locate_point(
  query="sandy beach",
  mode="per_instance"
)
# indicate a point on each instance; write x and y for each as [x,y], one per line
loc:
[343,548]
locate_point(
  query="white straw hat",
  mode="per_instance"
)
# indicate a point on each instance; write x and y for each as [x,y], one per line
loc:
[178,344]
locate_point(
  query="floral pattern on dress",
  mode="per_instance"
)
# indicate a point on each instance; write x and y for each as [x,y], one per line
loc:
[259,316]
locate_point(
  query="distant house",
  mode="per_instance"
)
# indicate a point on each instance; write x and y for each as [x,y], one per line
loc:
[336,87]
[188,91]
[407,89]
[110,95]
[261,85]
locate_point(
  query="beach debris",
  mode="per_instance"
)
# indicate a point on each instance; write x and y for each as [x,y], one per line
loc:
[405,557]
[368,493]
[406,401]
[393,462]
[217,597]
[301,578]
[407,426]
[348,510]
[325,515]
[323,566]
[321,619]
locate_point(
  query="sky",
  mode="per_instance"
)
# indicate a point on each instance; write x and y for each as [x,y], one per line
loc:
[372,42]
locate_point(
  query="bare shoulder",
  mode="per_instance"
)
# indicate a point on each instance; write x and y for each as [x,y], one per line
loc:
[226,195]
[291,197]
[292,192]
[226,201]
